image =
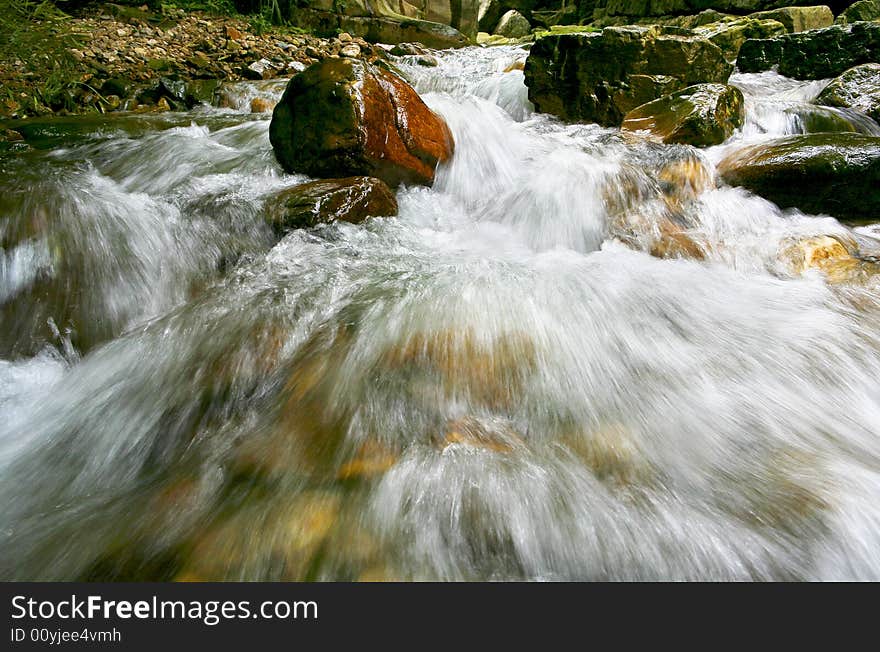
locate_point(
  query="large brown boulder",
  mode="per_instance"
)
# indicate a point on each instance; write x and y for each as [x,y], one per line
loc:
[320,202]
[599,77]
[344,117]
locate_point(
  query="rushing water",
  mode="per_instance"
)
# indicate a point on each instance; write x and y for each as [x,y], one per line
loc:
[499,383]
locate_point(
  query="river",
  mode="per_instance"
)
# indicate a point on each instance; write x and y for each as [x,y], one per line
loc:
[500,383]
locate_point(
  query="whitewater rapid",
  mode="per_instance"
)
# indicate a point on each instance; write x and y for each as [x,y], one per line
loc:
[617,415]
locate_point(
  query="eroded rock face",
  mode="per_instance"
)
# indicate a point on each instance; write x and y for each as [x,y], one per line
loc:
[599,77]
[836,174]
[320,202]
[815,54]
[343,117]
[858,88]
[701,115]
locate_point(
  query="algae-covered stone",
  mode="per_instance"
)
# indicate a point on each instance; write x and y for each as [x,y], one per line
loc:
[799,19]
[700,115]
[836,174]
[858,88]
[344,117]
[601,76]
[861,10]
[320,202]
[816,54]
[811,119]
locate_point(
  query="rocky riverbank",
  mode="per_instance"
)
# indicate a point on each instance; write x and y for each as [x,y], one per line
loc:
[114,57]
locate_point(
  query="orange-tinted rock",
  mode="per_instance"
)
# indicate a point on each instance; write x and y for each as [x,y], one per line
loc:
[344,117]
[261,105]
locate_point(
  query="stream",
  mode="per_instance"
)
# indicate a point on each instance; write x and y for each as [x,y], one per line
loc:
[500,383]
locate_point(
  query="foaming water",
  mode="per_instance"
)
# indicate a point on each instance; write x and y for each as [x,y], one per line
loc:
[779,106]
[499,383]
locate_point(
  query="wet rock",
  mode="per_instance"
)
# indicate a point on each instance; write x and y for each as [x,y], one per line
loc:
[821,119]
[261,105]
[404,49]
[264,538]
[673,241]
[346,117]
[836,174]
[371,460]
[115,86]
[352,50]
[494,435]
[599,77]
[612,453]
[460,364]
[320,202]
[201,91]
[859,11]
[259,70]
[10,136]
[858,88]
[837,257]
[513,25]
[815,252]
[701,115]
[816,54]
[427,61]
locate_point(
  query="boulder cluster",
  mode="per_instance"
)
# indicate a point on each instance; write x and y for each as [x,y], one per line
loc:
[668,81]
[347,118]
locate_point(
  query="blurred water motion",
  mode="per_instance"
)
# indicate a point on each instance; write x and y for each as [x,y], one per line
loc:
[500,383]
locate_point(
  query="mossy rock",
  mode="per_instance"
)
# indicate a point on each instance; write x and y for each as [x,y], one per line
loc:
[816,54]
[858,11]
[835,174]
[700,115]
[799,19]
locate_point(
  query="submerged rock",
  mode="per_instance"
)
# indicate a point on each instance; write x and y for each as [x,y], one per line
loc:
[599,77]
[816,54]
[836,174]
[345,117]
[858,88]
[701,115]
[320,202]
